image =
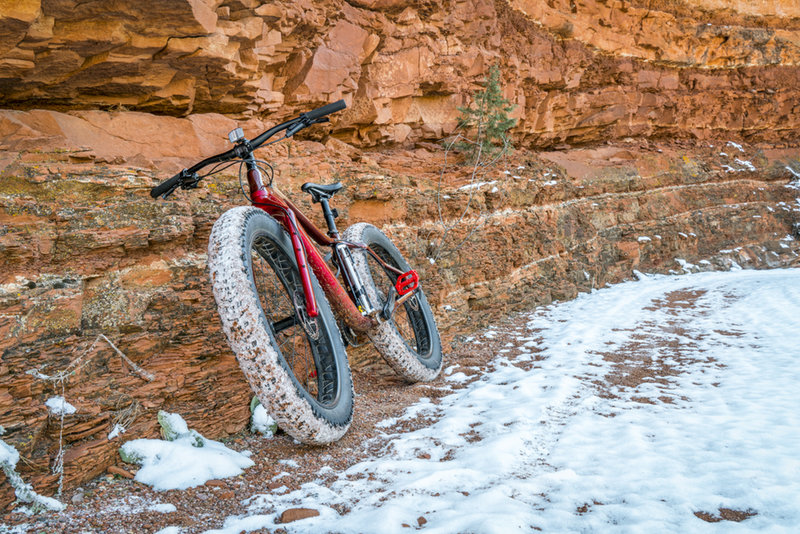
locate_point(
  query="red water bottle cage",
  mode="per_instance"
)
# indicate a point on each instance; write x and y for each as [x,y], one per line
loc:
[407,282]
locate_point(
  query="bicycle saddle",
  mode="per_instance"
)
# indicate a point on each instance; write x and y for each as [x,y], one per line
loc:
[319,191]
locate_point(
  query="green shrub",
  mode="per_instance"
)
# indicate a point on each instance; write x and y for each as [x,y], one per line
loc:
[487,120]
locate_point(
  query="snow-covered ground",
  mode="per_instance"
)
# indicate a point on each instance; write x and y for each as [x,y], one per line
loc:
[626,410]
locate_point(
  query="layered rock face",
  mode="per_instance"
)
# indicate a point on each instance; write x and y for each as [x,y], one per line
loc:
[86,251]
[685,115]
[578,70]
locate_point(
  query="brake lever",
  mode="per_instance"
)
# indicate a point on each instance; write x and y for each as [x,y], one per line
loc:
[169,192]
[190,182]
[187,181]
[299,125]
[303,123]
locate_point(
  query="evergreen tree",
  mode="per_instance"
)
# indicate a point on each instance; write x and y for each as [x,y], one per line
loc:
[488,118]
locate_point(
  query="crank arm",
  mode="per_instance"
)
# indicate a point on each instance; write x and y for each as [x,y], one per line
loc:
[393,304]
[389,306]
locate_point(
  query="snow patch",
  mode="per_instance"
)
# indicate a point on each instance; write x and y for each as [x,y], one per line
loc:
[686,266]
[457,378]
[726,437]
[116,431]
[24,492]
[185,461]
[162,507]
[262,422]
[8,454]
[476,185]
[737,146]
[59,406]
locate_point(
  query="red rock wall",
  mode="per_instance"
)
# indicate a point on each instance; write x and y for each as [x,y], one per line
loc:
[85,251]
[578,70]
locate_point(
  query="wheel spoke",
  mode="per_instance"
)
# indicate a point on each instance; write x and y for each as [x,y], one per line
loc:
[278,282]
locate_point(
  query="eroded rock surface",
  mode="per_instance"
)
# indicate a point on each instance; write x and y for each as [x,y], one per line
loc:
[578,71]
[667,138]
[85,251]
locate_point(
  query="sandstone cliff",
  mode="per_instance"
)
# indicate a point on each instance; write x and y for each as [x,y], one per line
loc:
[649,131]
[578,70]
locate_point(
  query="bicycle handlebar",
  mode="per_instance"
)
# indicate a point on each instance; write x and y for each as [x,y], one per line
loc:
[167,186]
[327,109]
[296,124]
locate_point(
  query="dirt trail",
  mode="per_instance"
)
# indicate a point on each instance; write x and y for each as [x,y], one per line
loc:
[113,503]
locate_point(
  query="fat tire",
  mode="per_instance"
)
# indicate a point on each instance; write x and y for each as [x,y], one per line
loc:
[407,361]
[253,341]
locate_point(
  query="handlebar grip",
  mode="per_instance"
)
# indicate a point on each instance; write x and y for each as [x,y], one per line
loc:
[165,186]
[325,110]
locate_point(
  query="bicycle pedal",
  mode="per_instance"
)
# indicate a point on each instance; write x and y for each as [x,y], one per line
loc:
[407,282]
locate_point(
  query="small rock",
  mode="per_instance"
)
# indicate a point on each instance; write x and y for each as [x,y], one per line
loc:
[227,494]
[421,520]
[78,497]
[215,483]
[295,514]
[114,470]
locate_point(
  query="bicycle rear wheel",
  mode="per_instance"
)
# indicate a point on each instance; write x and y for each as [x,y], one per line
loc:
[409,342]
[295,364]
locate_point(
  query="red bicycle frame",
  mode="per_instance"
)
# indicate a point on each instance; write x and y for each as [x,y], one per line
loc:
[302,230]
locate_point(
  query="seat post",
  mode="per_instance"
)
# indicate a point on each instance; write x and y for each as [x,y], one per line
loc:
[321,193]
[329,218]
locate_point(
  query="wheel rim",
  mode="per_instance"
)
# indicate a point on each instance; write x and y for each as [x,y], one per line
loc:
[303,343]
[408,320]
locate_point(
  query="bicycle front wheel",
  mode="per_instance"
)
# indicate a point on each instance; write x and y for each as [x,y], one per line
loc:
[295,364]
[409,342]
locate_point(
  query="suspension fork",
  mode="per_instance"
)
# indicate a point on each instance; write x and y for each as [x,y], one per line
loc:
[261,198]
